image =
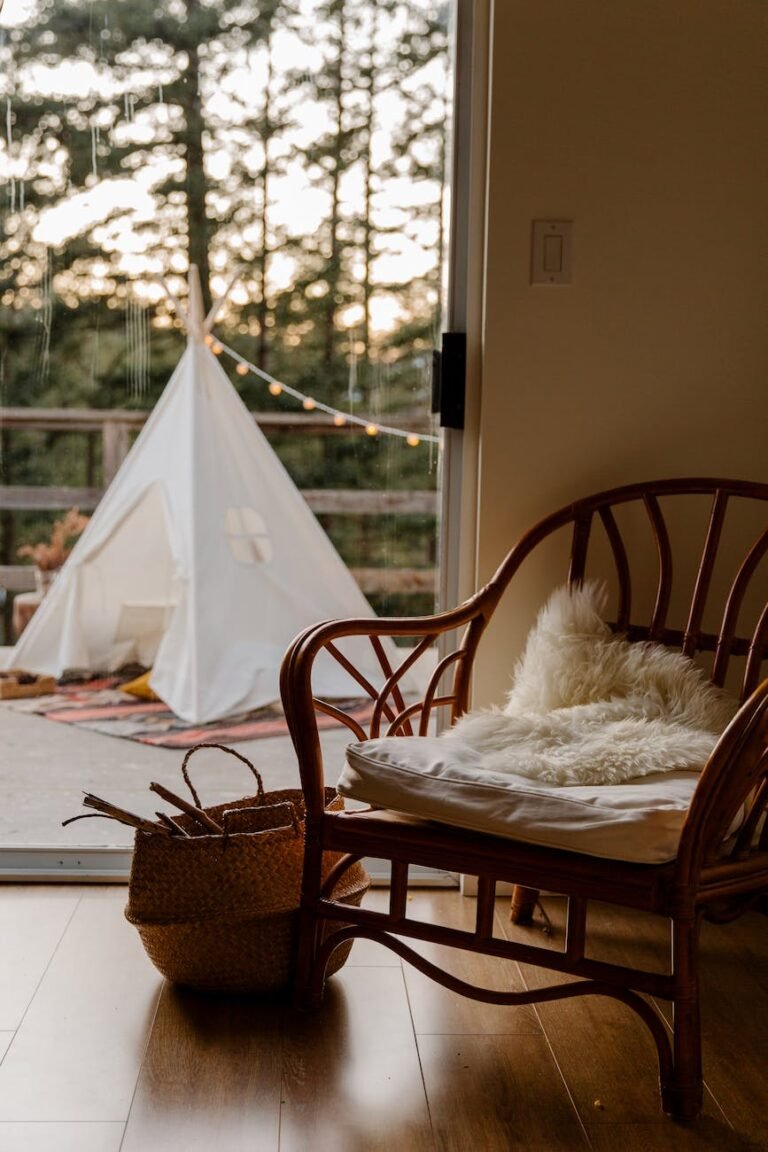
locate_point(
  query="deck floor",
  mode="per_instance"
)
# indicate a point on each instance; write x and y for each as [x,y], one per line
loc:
[45,767]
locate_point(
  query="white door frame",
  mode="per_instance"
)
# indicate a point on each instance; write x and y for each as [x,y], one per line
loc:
[465,304]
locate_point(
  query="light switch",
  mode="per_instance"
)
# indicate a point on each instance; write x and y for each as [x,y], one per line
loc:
[551,251]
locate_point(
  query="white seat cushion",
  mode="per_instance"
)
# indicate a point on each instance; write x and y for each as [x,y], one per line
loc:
[438,779]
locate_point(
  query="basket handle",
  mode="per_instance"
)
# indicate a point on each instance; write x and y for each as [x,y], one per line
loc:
[231,751]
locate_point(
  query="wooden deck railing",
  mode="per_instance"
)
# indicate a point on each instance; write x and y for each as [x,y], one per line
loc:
[116,428]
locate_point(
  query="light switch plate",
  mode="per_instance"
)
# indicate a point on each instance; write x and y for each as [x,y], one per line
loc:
[551,251]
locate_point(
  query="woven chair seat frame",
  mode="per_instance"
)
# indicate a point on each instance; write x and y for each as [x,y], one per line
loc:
[711,877]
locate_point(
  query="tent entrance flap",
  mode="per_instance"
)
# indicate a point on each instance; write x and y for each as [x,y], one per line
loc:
[142,624]
[128,587]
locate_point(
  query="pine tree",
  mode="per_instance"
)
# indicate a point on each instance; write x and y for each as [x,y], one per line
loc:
[144,117]
[187,125]
[420,157]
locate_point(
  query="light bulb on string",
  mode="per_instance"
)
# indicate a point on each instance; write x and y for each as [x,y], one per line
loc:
[209,339]
[340,419]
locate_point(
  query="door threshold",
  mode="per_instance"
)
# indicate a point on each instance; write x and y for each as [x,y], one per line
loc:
[46,864]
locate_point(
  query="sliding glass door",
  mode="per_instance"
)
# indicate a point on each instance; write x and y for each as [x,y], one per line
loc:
[299,154]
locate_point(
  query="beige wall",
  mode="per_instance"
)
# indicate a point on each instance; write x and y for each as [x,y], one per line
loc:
[646,123]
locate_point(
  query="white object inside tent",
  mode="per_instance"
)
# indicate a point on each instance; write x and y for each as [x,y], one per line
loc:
[202,560]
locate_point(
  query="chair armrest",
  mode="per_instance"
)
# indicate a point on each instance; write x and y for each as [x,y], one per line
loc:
[397,701]
[733,789]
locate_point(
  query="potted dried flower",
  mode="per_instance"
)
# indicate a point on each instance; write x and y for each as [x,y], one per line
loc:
[50,555]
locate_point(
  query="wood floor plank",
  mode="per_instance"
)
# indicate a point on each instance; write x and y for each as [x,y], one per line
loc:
[435,1009]
[366,951]
[607,1055]
[32,921]
[735,1042]
[734,1009]
[211,1076]
[705,1135]
[352,1080]
[47,1137]
[605,1052]
[746,938]
[494,1093]
[77,1054]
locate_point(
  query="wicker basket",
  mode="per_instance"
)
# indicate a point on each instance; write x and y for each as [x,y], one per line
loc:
[219,912]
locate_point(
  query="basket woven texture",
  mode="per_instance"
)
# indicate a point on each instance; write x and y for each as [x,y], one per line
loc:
[219,912]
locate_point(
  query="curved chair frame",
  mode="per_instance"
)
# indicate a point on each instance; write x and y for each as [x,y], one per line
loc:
[711,876]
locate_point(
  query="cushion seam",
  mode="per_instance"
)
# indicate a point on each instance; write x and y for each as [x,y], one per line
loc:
[545,794]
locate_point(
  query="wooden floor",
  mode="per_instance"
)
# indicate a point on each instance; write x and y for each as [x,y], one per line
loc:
[98,1055]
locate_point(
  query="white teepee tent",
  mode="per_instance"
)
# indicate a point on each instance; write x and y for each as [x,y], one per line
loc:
[202,559]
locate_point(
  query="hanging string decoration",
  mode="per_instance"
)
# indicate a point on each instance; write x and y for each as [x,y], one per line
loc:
[276,387]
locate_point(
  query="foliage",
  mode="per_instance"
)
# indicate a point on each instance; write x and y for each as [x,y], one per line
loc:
[50,554]
[300,143]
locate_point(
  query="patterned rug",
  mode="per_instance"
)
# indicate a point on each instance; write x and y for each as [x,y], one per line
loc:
[100,706]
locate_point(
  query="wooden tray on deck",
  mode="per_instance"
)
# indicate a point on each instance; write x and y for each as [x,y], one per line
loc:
[15,683]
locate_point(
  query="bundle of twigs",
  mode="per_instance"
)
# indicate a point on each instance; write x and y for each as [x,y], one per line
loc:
[165,824]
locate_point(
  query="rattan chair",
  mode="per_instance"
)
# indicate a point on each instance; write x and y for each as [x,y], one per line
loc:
[700,602]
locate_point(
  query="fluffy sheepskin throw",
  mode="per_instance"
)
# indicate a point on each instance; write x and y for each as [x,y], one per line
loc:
[589,707]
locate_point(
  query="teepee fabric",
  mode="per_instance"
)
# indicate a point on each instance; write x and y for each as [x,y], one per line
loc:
[202,560]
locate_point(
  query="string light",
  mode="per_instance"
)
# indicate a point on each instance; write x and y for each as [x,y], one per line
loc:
[309,403]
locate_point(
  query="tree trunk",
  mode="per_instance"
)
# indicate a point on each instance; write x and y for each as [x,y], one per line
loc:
[262,355]
[367,221]
[334,260]
[197,217]
[7,531]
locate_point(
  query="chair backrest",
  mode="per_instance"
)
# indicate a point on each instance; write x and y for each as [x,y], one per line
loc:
[701,545]
[686,561]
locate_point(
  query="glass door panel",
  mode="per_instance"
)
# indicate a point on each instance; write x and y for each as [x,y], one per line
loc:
[297,155]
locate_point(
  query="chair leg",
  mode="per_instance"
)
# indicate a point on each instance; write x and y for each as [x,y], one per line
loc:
[523,904]
[682,1097]
[305,993]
